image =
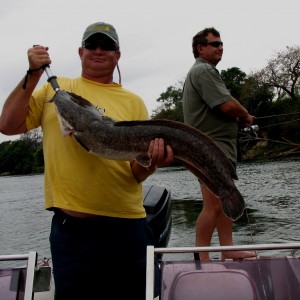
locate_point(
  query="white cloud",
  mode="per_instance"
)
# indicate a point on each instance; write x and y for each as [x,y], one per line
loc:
[155,37]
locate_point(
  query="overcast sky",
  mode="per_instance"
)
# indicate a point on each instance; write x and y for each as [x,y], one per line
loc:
[155,37]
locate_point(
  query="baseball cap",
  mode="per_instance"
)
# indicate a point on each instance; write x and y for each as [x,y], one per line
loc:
[101,27]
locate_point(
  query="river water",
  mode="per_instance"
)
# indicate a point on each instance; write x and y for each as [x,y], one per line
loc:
[271,190]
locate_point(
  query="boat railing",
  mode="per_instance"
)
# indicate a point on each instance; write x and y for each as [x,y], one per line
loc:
[22,282]
[152,252]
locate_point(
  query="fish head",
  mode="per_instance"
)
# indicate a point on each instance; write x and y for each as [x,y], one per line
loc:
[73,112]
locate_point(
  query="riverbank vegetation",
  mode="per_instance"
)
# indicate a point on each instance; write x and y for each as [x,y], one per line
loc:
[272,95]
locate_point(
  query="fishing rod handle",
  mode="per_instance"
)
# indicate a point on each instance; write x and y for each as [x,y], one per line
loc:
[51,78]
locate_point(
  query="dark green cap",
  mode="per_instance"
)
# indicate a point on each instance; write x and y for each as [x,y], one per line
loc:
[101,27]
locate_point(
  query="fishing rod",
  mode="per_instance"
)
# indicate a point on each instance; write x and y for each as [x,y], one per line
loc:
[256,128]
[249,134]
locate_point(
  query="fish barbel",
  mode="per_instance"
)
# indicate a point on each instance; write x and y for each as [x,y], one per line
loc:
[129,140]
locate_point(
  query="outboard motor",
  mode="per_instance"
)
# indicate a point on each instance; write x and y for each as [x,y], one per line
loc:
[157,203]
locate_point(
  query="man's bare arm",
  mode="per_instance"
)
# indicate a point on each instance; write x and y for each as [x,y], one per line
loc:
[235,109]
[14,112]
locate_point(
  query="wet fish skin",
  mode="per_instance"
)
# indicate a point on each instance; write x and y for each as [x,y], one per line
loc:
[129,140]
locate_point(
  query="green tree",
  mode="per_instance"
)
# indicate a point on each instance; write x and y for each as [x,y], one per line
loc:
[286,124]
[256,96]
[171,104]
[17,158]
[38,156]
[21,156]
[6,164]
[234,79]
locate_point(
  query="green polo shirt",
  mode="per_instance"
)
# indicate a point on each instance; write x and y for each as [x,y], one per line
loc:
[204,89]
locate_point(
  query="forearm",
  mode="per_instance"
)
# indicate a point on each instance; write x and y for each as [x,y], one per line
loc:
[14,112]
[234,109]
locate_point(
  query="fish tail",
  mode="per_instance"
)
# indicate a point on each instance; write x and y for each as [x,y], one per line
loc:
[233,205]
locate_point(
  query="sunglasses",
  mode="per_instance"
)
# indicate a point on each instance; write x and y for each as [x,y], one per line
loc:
[214,44]
[104,45]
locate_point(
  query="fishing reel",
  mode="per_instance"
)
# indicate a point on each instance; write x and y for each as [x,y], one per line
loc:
[247,135]
[253,128]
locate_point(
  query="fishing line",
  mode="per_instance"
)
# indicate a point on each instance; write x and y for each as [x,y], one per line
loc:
[273,116]
[279,123]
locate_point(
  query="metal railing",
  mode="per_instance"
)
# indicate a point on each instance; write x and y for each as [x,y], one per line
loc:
[151,251]
[31,258]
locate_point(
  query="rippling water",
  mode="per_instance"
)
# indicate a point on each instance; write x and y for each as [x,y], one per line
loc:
[272,194]
[271,190]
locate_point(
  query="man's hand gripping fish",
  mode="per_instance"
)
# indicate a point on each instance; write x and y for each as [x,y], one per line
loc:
[129,140]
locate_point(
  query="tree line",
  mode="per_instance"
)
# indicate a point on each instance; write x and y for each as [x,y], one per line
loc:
[22,156]
[271,94]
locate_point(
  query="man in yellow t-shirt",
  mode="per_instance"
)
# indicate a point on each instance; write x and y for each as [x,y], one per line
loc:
[99,232]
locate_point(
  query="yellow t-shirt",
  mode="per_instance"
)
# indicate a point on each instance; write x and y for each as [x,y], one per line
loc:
[74,178]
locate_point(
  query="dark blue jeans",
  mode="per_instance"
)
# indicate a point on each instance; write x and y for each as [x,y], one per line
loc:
[99,258]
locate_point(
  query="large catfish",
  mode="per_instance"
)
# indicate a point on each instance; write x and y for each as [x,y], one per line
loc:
[129,140]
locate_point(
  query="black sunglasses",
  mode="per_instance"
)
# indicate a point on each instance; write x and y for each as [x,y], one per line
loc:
[214,44]
[104,45]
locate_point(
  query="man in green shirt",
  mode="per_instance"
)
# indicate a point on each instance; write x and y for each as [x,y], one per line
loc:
[209,106]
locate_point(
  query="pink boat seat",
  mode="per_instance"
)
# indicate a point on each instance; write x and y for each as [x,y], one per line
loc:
[213,285]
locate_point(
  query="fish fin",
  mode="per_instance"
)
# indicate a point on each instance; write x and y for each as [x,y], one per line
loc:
[65,128]
[144,160]
[234,205]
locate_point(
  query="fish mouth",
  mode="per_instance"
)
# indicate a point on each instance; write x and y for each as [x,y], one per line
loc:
[65,126]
